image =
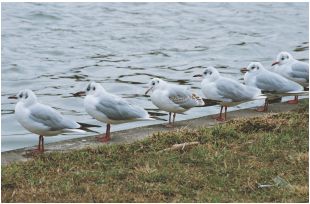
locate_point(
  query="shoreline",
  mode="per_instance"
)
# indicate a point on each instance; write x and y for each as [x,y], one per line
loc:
[134,134]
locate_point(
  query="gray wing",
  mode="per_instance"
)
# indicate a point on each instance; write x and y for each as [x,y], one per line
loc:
[231,89]
[50,118]
[300,70]
[182,97]
[270,81]
[116,108]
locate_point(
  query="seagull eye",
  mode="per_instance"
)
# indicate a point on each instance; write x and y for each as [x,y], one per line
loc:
[88,88]
[253,67]
[94,88]
[153,83]
[210,73]
[282,58]
[26,95]
[21,95]
[205,72]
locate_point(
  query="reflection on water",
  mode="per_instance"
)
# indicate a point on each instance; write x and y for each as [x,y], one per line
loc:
[56,48]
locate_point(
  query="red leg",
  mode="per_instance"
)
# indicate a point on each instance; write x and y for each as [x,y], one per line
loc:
[170,124]
[173,119]
[295,101]
[39,149]
[264,108]
[169,117]
[39,145]
[216,116]
[105,138]
[219,117]
[225,112]
[42,144]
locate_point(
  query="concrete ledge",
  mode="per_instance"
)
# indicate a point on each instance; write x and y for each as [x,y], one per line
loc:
[131,135]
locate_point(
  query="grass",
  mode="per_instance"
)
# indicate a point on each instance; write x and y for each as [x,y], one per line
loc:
[230,162]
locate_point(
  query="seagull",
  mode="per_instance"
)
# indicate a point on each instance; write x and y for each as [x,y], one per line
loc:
[292,69]
[172,98]
[41,119]
[228,91]
[110,109]
[259,77]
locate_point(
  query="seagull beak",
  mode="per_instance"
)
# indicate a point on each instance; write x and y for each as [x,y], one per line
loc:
[244,70]
[274,63]
[80,93]
[148,90]
[198,75]
[12,97]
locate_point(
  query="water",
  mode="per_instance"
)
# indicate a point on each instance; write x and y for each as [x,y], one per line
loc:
[56,48]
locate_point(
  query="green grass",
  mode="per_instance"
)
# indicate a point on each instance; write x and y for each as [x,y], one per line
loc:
[227,166]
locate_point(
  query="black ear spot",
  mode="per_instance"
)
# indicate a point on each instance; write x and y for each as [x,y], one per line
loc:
[94,88]
[88,87]
[210,73]
[26,95]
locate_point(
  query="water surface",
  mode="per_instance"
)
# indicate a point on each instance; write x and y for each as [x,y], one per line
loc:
[55,49]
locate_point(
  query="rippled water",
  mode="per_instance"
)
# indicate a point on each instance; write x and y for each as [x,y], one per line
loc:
[56,48]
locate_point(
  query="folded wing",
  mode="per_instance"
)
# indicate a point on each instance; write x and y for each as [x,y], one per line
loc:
[300,70]
[183,97]
[230,89]
[50,118]
[116,108]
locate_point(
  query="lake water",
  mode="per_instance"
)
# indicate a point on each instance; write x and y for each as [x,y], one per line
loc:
[55,49]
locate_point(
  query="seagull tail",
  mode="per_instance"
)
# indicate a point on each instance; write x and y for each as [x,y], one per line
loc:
[210,102]
[85,127]
[198,99]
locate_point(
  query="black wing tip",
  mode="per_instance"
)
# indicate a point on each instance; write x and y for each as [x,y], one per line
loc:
[86,125]
[210,102]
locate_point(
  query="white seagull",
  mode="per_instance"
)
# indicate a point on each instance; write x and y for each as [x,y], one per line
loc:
[228,91]
[257,76]
[292,69]
[110,109]
[41,119]
[172,98]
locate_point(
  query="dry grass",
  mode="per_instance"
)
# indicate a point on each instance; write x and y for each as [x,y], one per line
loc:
[227,166]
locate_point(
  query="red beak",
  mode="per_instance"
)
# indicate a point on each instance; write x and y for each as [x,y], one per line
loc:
[148,90]
[80,93]
[12,97]
[244,70]
[274,63]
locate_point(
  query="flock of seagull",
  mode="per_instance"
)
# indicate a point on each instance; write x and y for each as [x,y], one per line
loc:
[288,78]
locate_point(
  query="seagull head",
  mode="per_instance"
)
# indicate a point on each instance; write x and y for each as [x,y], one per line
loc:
[209,73]
[253,67]
[283,58]
[26,96]
[92,88]
[154,84]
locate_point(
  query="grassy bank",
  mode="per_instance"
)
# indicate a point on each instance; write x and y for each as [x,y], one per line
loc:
[227,165]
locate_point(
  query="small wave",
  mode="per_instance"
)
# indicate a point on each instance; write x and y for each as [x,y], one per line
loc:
[43,16]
